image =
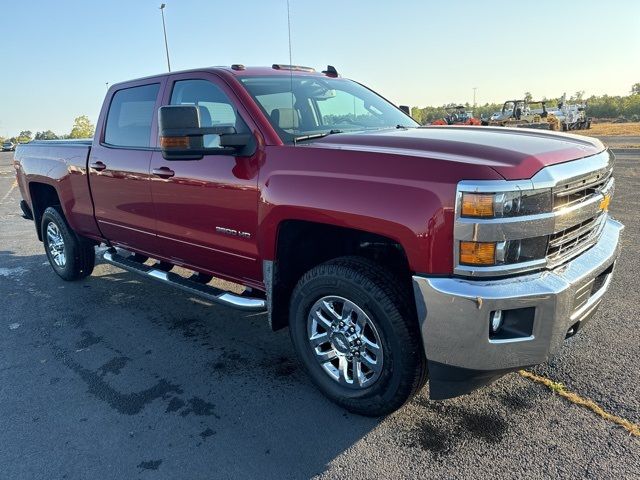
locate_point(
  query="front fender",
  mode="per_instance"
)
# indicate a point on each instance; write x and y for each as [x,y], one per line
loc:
[407,199]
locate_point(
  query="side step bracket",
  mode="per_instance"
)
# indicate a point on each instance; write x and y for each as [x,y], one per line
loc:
[208,292]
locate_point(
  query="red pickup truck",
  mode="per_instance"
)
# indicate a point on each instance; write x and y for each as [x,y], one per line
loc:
[394,253]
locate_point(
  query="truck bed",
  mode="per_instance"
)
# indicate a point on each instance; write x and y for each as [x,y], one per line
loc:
[69,141]
[60,165]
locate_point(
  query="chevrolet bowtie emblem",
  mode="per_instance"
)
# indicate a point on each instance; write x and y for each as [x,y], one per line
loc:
[604,203]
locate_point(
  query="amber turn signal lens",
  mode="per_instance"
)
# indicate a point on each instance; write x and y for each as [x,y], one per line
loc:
[174,142]
[477,205]
[478,253]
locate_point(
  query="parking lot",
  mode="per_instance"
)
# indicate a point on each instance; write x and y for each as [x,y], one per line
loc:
[117,377]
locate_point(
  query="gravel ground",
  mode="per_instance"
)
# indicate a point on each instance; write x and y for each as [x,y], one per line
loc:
[116,377]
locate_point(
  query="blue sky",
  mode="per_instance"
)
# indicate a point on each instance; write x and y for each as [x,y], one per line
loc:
[57,55]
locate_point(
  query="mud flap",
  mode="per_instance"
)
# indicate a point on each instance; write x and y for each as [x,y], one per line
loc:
[446,381]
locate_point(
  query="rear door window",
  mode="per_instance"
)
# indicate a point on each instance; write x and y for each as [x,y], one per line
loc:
[130,116]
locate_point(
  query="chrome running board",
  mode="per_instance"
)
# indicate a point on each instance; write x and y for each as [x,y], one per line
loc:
[208,292]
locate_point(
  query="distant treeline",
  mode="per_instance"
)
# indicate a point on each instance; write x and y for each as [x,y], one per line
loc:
[603,106]
[82,128]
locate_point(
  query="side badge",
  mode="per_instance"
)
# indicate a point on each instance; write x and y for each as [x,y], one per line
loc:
[232,232]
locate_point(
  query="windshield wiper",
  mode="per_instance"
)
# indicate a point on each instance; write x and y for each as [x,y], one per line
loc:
[315,135]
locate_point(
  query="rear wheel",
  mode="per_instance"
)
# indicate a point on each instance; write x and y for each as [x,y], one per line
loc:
[72,257]
[354,330]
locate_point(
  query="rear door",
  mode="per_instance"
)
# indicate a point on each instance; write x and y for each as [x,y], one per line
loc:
[119,167]
[206,209]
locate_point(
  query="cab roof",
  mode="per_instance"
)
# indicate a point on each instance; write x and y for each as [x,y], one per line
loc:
[239,70]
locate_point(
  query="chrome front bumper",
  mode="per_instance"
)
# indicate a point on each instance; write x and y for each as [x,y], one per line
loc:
[454,314]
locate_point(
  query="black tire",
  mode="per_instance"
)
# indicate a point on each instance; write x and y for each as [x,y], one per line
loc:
[79,252]
[384,299]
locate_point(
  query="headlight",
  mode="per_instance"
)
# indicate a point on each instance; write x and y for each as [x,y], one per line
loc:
[506,204]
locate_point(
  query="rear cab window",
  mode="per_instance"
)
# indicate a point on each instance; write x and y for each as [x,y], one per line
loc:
[130,116]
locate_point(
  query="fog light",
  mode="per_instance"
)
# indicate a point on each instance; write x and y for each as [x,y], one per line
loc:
[495,321]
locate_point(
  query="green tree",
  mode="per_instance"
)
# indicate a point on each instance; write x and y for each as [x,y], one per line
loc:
[24,136]
[416,114]
[82,128]
[46,135]
[528,97]
[577,97]
[635,89]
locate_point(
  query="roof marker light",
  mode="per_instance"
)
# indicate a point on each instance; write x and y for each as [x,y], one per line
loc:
[295,68]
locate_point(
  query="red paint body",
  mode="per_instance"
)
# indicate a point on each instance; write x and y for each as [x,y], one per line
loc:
[397,183]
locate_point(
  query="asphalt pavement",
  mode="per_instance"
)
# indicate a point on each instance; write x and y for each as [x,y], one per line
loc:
[621,141]
[115,377]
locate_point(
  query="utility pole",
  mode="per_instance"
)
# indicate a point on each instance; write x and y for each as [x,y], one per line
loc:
[164,29]
[474,97]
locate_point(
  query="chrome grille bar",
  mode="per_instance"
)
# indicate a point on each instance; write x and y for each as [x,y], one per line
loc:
[558,240]
[578,190]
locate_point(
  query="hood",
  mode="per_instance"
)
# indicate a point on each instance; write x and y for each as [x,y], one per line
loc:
[514,153]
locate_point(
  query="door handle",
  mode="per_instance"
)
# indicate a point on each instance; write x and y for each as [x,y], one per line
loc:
[99,166]
[163,172]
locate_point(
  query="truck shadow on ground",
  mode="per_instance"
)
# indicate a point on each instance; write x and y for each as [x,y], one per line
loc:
[199,385]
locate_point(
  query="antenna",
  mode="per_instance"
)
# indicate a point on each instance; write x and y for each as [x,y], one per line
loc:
[164,29]
[293,108]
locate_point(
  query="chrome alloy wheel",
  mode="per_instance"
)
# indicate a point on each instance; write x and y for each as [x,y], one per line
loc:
[55,242]
[345,341]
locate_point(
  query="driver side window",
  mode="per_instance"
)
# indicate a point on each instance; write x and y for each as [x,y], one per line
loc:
[215,108]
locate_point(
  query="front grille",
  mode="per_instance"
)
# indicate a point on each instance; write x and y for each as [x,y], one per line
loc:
[569,242]
[566,243]
[576,191]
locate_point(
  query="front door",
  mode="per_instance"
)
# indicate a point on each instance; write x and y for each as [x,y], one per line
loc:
[119,168]
[206,210]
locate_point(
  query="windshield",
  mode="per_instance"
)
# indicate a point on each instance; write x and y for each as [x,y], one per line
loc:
[318,105]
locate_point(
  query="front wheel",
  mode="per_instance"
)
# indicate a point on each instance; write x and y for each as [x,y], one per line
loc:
[71,257]
[355,331]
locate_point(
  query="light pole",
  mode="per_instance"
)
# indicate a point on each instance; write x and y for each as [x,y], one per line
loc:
[164,29]
[474,97]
